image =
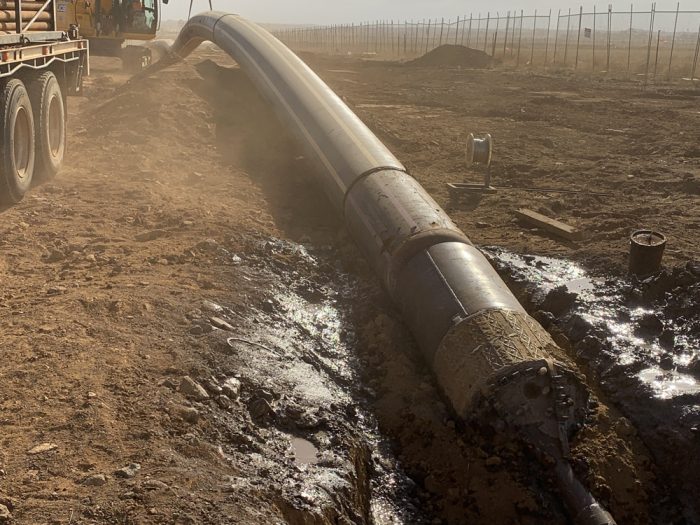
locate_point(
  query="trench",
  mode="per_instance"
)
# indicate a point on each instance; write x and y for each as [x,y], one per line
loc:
[347,422]
[484,349]
[640,341]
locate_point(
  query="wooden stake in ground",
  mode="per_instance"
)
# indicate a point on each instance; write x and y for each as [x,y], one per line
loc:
[548,224]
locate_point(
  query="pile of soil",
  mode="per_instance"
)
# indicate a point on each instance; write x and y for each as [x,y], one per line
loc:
[456,56]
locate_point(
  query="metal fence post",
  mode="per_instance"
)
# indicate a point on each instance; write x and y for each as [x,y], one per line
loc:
[442,31]
[486,36]
[629,47]
[593,36]
[546,45]
[512,36]
[532,49]
[434,38]
[650,41]
[478,31]
[420,25]
[566,44]
[656,60]
[415,38]
[607,60]
[556,39]
[388,36]
[495,39]
[385,36]
[505,40]
[457,31]
[427,35]
[520,37]
[578,40]
[673,42]
[379,36]
[469,36]
[695,60]
[405,38]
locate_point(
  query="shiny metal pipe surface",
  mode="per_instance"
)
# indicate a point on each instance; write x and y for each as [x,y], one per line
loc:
[489,356]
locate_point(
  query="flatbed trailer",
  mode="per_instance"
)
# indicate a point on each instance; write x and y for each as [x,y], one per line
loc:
[39,68]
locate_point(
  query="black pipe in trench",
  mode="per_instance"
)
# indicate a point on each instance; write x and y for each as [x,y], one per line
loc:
[487,353]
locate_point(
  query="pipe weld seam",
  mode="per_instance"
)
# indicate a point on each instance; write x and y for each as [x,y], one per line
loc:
[362,176]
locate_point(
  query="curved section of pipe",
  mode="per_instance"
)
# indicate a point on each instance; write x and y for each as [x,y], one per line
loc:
[336,139]
[488,355]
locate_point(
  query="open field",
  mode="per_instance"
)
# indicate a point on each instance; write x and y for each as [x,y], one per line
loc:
[182,298]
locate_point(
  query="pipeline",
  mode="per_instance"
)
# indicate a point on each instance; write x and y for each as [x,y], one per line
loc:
[492,360]
[9,16]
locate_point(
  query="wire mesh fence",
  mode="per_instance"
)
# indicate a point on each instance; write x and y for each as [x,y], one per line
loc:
[638,42]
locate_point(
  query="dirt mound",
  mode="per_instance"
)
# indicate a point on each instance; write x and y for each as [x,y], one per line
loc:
[450,55]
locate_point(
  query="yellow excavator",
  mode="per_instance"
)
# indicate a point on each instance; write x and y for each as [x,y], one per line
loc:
[109,24]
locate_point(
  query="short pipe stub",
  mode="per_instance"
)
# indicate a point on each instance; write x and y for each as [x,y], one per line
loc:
[646,252]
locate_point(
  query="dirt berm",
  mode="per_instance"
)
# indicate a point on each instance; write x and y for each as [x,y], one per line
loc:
[454,56]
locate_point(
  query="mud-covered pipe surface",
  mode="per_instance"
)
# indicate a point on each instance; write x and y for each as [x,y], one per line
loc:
[490,358]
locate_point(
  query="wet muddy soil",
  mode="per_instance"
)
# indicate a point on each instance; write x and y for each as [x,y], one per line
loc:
[639,340]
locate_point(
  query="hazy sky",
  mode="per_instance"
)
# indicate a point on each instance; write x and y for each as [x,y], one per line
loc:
[329,11]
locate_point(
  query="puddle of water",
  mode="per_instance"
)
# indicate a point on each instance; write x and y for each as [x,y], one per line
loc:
[314,360]
[669,384]
[305,453]
[603,305]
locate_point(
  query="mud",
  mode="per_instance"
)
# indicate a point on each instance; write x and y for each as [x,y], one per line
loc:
[190,337]
[638,340]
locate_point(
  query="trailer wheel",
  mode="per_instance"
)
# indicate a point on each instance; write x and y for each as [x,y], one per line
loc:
[50,124]
[16,142]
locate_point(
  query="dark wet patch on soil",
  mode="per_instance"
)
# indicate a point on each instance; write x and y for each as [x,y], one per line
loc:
[640,341]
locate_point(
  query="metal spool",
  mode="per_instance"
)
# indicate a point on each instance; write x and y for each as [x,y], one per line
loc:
[479,149]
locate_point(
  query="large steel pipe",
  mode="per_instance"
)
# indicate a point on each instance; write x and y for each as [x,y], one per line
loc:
[489,356]
[10,16]
[36,26]
[26,6]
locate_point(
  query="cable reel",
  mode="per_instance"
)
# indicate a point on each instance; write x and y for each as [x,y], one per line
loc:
[479,149]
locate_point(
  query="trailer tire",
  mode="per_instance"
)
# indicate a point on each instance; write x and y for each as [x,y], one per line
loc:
[49,123]
[17,145]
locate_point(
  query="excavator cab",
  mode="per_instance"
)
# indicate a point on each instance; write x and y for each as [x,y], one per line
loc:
[111,19]
[136,18]
[107,24]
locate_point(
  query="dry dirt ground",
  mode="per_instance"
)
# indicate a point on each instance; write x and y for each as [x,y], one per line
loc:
[188,335]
